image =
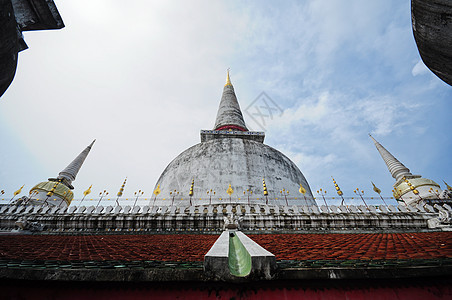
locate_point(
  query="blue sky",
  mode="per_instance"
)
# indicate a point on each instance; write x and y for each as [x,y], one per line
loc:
[143,78]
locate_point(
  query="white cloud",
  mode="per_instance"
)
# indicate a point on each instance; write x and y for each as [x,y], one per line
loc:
[419,68]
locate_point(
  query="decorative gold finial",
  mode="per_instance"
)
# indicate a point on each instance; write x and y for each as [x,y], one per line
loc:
[88,191]
[265,187]
[157,190]
[229,190]
[228,80]
[121,190]
[338,189]
[302,190]
[19,190]
[190,193]
[376,190]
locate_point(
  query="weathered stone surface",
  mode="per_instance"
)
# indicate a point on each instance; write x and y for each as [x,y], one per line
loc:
[240,162]
[9,45]
[211,218]
[17,16]
[357,272]
[263,263]
[98,274]
[37,15]
[229,112]
[208,135]
[432,28]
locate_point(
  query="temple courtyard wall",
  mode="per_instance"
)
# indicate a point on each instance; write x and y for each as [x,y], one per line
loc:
[214,217]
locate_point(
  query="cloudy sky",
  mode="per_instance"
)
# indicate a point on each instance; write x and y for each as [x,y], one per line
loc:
[143,77]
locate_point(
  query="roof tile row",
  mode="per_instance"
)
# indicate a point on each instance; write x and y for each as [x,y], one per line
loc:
[168,247]
[193,247]
[386,246]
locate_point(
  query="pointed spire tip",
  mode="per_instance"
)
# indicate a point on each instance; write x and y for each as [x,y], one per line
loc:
[395,167]
[228,79]
[229,115]
[70,172]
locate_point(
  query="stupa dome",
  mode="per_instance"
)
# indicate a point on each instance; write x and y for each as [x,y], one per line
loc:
[60,193]
[232,155]
[242,163]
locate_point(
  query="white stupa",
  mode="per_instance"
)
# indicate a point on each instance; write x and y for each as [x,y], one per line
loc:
[57,191]
[232,158]
[409,189]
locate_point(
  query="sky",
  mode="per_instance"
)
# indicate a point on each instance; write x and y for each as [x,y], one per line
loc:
[144,77]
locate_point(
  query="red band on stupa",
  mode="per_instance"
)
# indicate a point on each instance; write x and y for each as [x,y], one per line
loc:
[232,127]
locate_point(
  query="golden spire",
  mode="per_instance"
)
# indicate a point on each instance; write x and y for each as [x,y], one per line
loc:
[228,80]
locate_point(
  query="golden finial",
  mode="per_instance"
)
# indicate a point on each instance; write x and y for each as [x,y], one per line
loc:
[265,187]
[448,186]
[229,190]
[376,190]
[302,190]
[228,80]
[338,189]
[121,190]
[19,190]
[190,193]
[157,190]
[88,190]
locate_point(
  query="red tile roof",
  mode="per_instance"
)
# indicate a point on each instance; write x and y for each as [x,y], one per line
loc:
[193,247]
[420,245]
[166,247]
